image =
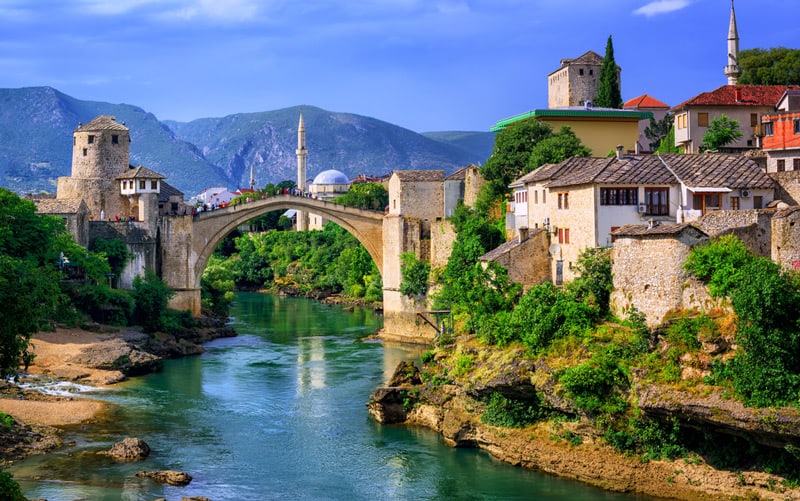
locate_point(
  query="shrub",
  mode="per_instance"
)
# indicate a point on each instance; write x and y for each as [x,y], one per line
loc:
[151,296]
[9,488]
[597,386]
[508,413]
[414,275]
[719,263]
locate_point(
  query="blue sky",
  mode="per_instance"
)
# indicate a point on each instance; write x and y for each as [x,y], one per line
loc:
[421,64]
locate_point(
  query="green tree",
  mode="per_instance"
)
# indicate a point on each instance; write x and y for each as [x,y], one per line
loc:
[609,94]
[217,287]
[512,150]
[775,66]
[151,296]
[28,293]
[721,132]
[658,130]
[9,488]
[415,275]
[115,251]
[557,148]
[365,196]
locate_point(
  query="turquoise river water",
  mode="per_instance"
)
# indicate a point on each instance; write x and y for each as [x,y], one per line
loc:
[278,413]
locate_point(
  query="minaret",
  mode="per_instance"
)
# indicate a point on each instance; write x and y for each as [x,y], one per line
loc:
[732,70]
[252,177]
[302,154]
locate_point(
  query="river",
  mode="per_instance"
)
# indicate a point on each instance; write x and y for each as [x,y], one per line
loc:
[278,413]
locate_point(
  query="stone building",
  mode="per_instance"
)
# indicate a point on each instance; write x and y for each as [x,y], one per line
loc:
[525,257]
[647,266]
[106,197]
[575,82]
[100,154]
[582,201]
[74,212]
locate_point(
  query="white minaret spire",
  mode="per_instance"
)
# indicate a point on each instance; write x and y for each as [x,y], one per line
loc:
[732,70]
[302,154]
[252,177]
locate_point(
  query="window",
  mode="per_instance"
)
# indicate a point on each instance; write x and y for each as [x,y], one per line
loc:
[768,129]
[85,152]
[680,121]
[563,235]
[114,139]
[591,72]
[734,203]
[580,72]
[535,197]
[753,119]
[91,139]
[656,201]
[563,200]
[781,165]
[619,196]
[142,184]
[153,184]
[758,202]
[797,126]
[702,119]
[796,164]
[706,202]
[544,196]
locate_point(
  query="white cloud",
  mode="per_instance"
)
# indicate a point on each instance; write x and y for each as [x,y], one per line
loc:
[661,7]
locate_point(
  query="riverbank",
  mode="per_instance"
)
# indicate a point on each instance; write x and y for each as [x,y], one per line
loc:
[97,356]
[454,402]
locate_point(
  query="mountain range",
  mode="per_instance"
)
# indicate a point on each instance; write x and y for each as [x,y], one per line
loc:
[36,126]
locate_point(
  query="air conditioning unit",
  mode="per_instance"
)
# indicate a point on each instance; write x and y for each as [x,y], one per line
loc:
[744,193]
[642,209]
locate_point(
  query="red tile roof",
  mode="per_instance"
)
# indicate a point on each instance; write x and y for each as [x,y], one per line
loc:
[644,101]
[740,95]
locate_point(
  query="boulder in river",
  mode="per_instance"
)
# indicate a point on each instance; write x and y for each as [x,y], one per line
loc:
[170,477]
[129,449]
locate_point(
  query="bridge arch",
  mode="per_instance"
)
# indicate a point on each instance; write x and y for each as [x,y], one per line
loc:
[209,228]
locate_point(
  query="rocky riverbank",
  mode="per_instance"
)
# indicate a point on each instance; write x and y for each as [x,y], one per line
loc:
[574,447]
[95,355]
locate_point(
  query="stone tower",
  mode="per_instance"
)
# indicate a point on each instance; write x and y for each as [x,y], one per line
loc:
[575,82]
[732,70]
[302,154]
[100,153]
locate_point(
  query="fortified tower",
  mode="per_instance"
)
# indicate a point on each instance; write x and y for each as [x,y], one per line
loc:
[100,153]
[302,154]
[732,70]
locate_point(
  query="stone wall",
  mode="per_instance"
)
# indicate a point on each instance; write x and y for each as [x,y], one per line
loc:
[785,248]
[473,183]
[139,241]
[648,274]
[788,186]
[102,158]
[443,236]
[753,227]
[528,262]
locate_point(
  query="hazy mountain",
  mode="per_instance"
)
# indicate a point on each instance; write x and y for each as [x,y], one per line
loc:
[36,126]
[350,143]
[479,144]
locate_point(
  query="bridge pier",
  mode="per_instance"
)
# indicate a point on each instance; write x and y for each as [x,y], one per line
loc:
[186,299]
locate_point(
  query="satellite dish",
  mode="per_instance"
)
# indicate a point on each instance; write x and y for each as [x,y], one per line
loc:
[555,251]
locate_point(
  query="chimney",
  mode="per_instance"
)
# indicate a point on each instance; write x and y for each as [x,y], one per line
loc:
[619,151]
[523,234]
[737,94]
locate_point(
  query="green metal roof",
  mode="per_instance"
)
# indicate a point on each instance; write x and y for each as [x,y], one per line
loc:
[572,112]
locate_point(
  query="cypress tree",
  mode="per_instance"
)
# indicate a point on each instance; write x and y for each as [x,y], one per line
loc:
[608,89]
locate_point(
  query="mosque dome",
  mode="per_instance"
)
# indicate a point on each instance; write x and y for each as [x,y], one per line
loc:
[331,176]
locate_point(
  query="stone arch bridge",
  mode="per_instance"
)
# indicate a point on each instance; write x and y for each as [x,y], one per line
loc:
[188,242]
